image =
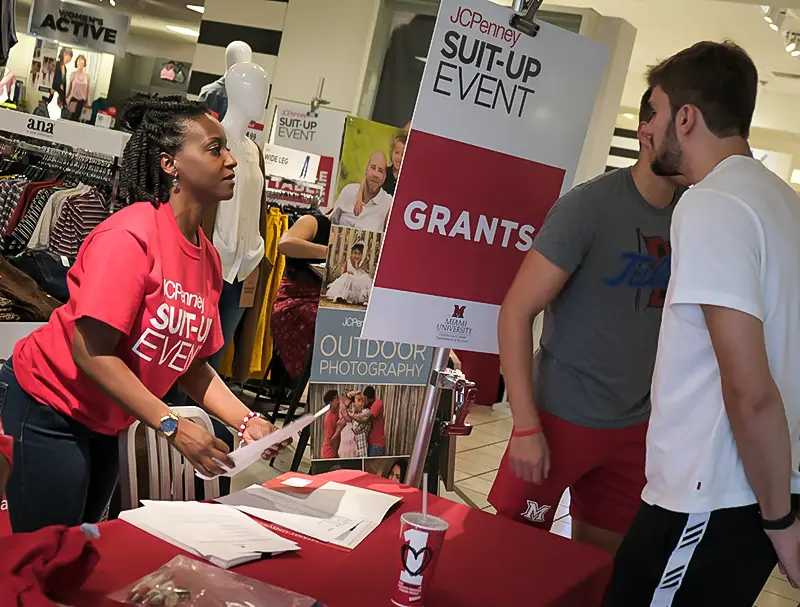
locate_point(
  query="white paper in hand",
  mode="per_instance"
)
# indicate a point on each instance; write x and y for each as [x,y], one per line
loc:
[248,455]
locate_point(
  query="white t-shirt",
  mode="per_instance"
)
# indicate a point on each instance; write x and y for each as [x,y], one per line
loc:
[372,217]
[735,244]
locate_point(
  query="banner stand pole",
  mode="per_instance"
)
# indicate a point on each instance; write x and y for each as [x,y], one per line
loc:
[464,393]
[427,416]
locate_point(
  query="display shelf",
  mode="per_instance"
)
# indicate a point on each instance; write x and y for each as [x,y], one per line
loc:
[64,132]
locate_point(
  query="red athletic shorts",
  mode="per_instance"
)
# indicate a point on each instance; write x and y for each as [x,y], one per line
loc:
[603,469]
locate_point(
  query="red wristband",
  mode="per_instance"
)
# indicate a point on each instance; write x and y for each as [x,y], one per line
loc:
[524,433]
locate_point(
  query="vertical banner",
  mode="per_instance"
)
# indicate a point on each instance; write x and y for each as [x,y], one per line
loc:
[43,65]
[497,133]
[321,134]
[375,387]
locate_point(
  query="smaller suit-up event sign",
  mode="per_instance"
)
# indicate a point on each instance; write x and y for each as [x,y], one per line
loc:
[498,130]
[320,134]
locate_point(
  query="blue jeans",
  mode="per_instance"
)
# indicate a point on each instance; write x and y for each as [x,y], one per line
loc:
[373,451]
[230,316]
[63,472]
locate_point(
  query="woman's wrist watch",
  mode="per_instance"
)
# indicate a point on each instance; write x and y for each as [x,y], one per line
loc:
[168,425]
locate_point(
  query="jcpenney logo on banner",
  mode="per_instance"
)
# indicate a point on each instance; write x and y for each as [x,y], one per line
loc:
[487,74]
[80,24]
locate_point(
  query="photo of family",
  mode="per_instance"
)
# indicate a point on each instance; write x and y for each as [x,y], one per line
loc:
[350,269]
[372,154]
[364,421]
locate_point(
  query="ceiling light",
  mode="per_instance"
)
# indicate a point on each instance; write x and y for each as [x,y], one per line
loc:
[772,15]
[790,48]
[196,8]
[796,176]
[628,115]
[113,2]
[765,8]
[186,31]
[796,53]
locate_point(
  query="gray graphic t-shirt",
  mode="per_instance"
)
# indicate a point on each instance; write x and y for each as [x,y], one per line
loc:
[600,333]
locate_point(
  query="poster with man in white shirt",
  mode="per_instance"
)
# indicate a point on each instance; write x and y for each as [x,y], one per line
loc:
[363,202]
[723,447]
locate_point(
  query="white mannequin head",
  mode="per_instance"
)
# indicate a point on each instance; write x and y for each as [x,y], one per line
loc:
[237,52]
[247,85]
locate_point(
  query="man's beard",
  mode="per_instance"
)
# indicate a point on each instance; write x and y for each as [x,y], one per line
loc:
[669,156]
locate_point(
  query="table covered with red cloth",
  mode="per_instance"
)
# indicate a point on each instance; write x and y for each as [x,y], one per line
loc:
[486,561]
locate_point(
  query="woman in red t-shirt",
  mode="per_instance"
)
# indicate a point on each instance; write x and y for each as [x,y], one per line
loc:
[142,315]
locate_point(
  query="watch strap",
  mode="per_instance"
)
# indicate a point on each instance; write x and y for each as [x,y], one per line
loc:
[781,523]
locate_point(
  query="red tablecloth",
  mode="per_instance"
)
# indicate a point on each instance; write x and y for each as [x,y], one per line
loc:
[486,561]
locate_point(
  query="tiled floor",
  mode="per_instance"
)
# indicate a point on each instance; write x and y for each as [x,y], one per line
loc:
[477,460]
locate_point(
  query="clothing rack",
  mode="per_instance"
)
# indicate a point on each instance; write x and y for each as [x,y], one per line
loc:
[95,169]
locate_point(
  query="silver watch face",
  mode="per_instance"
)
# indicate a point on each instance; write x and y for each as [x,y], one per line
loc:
[169,425]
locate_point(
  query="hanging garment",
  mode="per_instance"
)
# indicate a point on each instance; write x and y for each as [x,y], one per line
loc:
[8,35]
[236,359]
[29,191]
[27,224]
[80,215]
[237,229]
[11,190]
[277,224]
[215,97]
[40,237]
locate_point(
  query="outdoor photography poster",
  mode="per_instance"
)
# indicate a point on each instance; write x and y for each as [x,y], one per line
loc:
[375,389]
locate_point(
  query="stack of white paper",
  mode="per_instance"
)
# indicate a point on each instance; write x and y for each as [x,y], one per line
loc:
[223,535]
[334,513]
[248,455]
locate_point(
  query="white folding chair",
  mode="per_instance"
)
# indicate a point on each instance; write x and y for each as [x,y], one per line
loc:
[171,475]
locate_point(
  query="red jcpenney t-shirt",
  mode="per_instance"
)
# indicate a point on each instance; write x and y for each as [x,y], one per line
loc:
[328,451]
[137,273]
[377,434]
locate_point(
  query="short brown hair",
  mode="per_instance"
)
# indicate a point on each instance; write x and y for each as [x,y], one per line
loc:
[719,79]
[646,112]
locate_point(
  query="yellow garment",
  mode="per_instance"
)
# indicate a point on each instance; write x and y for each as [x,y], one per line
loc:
[277,224]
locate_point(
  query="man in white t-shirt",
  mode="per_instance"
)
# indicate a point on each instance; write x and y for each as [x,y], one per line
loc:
[365,205]
[723,446]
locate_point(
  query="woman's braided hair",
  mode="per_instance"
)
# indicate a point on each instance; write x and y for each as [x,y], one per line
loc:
[158,126]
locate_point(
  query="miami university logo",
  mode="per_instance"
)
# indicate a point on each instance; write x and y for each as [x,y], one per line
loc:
[535,513]
[458,311]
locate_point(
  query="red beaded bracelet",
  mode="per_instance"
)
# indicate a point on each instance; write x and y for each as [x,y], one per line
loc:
[247,418]
[524,433]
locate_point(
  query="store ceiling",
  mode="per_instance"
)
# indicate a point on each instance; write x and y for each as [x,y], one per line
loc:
[149,18]
[664,27]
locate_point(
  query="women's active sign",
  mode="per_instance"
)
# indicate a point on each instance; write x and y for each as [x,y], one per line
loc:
[498,130]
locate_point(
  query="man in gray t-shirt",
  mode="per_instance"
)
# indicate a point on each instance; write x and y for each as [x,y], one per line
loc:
[599,269]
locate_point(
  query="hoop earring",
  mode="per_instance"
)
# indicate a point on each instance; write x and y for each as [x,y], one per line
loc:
[176,185]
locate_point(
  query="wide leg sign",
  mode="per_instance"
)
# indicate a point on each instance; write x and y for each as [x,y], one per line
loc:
[497,133]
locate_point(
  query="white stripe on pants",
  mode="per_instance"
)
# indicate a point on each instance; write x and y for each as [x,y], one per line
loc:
[678,561]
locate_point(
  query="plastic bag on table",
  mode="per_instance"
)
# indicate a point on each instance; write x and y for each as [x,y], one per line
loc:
[185,582]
